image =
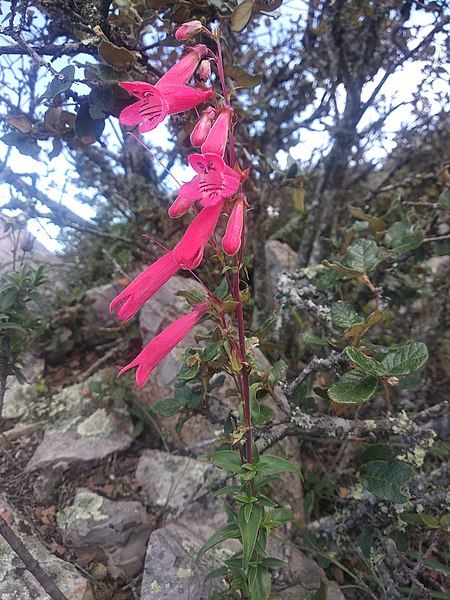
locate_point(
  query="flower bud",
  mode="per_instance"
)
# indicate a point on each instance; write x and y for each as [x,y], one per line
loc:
[202,127]
[204,70]
[231,241]
[188,30]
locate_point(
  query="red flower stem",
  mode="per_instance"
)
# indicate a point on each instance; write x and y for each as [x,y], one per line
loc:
[243,376]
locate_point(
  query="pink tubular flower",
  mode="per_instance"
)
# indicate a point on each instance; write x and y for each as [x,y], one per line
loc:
[168,96]
[231,241]
[214,181]
[144,286]
[188,30]
[156,350]
[217,137]
[188,253]
[202,127]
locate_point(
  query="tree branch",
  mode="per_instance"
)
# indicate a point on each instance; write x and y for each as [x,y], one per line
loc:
[30,563]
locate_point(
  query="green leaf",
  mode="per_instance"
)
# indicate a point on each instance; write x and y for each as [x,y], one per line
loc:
[259,583]
[249,530]
[281,515]
[385,478]
[188,372]
[401,237]
[274,563]
[376,452]
[219,572]
[363,255]
[167,407]
[309,339]
[211,351]
[59,85]
[227,459]
[353,388]
[406,360]
[366,363]
[344,315]
[268,465]
[11,325]
[266,414]
[227,532]
[321,593]
[444,199]
[277,372]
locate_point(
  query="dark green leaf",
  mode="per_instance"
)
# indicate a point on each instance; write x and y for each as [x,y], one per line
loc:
[363,255]
[344,315]
[401,237]
[259,583]
[353,388]
[376,452]
[62,84]
[227,532]
[406,360]
[268,465]
[229,460]
[249,530]
[366,363]
[385,478]
[167,407]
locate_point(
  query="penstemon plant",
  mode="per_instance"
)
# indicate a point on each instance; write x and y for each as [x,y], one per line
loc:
[216,188]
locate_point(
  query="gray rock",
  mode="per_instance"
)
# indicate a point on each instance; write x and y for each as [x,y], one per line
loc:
[20,397]
[77,431]
[301,574]
[98,301]
[280,258]
[120,527]
[171,569]
[172,481]
[17,583]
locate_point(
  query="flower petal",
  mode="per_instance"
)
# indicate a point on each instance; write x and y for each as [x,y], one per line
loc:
[149,111]
[183,70]
[144,286]
[187,195]
[156,350]
[217,138]
[182,97]
[189,250]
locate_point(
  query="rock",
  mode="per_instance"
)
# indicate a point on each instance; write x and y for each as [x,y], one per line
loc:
[77,431]
[98,301]
[120,528]
[279,258]
[17,583]
[301,574]
[172,481]
[19,397]
[171,569]
[300,592]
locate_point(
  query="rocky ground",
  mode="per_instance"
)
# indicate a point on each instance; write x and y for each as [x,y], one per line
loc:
[111,506]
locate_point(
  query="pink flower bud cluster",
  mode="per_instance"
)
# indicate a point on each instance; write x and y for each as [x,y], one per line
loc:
[214,188]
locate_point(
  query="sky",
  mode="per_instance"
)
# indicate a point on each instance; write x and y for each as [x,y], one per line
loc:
[55,174]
